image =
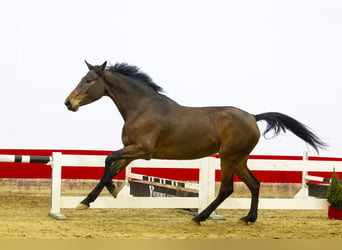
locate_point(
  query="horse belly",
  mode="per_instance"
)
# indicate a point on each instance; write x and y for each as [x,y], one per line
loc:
[182,150]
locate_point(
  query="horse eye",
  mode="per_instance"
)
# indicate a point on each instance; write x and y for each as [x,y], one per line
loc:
[88,81]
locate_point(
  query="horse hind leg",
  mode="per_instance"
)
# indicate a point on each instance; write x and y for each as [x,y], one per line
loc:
[226,189]
[253,185]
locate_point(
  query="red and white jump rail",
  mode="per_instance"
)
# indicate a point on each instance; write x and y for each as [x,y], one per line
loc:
[319,179]
[207,167]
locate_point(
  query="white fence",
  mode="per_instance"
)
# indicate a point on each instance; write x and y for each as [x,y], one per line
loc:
[206,166]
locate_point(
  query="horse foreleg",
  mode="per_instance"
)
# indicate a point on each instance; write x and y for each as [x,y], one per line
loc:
[130,153]
[111,169]
[84,204]
[112,189]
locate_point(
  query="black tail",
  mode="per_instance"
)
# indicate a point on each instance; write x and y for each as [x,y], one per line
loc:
[280,122]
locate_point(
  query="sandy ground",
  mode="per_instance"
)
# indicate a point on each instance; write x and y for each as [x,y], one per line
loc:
[24,215]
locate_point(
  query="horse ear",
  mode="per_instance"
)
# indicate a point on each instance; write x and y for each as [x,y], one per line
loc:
[90,67]
[103,66]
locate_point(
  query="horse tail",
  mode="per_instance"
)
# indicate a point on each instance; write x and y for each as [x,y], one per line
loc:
[280,122]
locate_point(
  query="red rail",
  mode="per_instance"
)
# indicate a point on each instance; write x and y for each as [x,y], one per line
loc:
[36,170]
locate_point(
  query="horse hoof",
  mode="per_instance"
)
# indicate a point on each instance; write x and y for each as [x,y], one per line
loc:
[82,206]
[195,223]
[115,193]
[245,222]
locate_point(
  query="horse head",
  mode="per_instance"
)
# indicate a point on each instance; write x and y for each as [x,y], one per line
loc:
[90,88]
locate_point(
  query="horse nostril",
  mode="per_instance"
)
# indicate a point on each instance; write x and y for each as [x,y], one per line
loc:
[68,104]
[71,107]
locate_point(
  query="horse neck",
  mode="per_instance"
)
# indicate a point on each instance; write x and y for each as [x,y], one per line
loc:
[128,96]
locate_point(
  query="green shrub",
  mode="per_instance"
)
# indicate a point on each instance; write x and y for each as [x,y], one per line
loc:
[334,194]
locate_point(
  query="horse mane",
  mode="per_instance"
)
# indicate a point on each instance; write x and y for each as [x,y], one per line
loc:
[134,72]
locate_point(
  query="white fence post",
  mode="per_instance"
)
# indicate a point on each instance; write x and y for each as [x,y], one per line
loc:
[206,191]
[56,185]
[303,192]
[305,171]
[211,178]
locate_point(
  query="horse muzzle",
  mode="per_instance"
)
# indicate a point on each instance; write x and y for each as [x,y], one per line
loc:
[71,107]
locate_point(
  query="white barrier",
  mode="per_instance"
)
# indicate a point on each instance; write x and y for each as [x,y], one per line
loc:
[206,190]
[206,166]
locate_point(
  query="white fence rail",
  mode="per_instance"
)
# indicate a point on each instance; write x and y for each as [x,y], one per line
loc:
[206,166]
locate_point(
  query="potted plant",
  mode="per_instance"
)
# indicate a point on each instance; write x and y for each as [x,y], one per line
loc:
[334,197]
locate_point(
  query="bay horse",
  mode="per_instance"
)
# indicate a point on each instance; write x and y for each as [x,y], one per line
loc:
[156,126]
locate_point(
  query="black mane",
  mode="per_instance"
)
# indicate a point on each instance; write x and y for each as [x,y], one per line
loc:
[135,72]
